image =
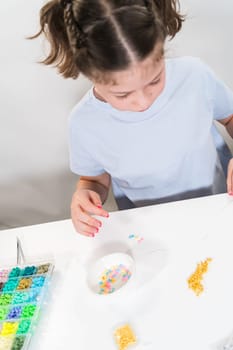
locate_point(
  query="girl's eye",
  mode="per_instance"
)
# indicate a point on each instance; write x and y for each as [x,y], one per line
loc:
[155,82]
[122,96]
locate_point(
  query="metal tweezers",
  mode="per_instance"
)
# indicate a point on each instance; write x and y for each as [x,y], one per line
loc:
[20,253]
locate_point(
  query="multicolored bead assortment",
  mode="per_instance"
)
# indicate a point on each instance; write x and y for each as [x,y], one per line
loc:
[113,278]
[124,337]
[21,293]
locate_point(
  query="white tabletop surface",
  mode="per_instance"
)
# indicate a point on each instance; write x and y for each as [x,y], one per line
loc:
[164,313]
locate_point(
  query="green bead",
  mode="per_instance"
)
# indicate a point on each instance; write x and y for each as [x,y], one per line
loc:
[3,312]
[28,311]
[18,343]
[24,327]
[5,299]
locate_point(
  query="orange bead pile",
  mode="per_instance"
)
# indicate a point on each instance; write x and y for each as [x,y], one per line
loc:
[124,337]
[195,280]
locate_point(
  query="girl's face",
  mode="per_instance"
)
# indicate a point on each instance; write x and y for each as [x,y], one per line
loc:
[136,88]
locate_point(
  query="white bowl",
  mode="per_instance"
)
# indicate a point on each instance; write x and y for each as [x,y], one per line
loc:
[111,274]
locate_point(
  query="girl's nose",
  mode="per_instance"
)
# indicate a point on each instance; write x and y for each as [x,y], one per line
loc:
[142,101]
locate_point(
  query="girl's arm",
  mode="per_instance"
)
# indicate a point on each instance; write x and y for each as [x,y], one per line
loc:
[87,201]
[99,184]
[228,123]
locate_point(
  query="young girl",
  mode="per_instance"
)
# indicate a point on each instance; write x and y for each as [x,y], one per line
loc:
[146,126]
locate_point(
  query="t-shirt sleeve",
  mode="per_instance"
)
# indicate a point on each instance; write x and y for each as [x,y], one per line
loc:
[81,152]
[220,95]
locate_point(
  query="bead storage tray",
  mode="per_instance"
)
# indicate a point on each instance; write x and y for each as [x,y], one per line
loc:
[22,291]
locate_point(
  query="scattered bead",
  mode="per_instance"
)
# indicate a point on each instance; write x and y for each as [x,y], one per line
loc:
[124,337]
[194,281]
[137,238]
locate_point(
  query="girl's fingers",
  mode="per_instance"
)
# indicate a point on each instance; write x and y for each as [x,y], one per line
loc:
[82,211]
[99,211]
[87,230]
[84,223]
[96,207]
[89,220]
[230,178]
[83,228]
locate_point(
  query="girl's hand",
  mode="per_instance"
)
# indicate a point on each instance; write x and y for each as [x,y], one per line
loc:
[86,203]
[230,177]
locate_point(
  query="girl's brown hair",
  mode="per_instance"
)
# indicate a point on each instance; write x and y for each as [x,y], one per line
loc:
[95,37]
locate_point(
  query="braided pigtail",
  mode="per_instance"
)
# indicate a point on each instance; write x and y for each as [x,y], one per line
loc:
[168,10]
[55,16]
[77,38]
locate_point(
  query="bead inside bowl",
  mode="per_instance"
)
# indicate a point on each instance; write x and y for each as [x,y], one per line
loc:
[111,273]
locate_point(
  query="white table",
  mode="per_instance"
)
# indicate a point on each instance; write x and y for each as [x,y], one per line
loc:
[164,313]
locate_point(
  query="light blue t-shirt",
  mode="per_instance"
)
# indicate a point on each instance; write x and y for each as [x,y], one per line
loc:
[164,153]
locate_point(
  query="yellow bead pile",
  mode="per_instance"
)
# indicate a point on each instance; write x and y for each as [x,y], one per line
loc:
[124,337]
[195,280]
[9,328]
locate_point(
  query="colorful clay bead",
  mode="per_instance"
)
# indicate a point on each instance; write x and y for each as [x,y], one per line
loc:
[14,312]
[6,342]
[33,295]
[24,327]
[3,312]
[43,268]
[28,271]
[4,275]
[1,285]
[9,328]
[28,311]
[38,281]
[5,299]
[15,272]
[10,285]
[18,343]
[20,298]
[24,283]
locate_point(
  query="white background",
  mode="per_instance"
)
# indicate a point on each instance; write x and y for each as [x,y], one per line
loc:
[35,181]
